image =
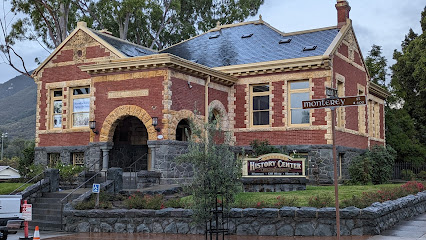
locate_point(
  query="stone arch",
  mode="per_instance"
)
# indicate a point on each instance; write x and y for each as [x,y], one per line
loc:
[219,107]
[177,117]
[111,121]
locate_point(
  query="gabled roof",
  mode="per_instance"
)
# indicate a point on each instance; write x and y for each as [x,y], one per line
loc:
[8,167]
[251,42]
[127,48]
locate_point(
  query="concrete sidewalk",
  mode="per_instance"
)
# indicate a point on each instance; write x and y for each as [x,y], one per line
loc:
[410,229]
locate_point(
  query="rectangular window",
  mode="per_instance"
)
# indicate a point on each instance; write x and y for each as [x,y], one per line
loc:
[56,109]
[377,120]
[361,114]
[370,118]
[54,158]
[80,107]
[78,158]
[298,92]
[260,105]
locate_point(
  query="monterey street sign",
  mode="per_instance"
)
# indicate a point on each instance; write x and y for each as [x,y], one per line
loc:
[334,102]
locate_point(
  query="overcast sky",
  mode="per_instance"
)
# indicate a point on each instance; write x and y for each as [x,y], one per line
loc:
[380,22]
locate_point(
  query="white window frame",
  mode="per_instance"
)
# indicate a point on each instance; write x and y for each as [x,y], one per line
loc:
[72,98]
[290,91]
[258,94]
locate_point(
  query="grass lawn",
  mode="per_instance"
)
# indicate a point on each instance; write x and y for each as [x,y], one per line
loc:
[345,192]
[6,188]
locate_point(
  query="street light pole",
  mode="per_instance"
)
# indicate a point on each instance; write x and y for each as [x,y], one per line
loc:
[3,136]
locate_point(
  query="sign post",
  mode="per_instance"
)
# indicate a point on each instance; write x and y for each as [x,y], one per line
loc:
[332,103]
[96,189]
[27,216]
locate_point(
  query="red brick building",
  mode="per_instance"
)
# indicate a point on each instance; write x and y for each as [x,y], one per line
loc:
[250,74]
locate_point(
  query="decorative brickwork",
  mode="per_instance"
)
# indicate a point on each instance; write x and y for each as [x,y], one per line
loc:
[175,117]
[111,121]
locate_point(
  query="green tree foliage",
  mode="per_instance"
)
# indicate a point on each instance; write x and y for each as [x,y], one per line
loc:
[158,24]
[409,78]
[401,135]
[376,65]
[217,171]
[151,23]
[382,160]
[263,147]
[27,159]
[374,166]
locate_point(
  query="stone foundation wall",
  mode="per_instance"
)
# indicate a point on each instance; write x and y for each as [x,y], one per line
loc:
[164,154]
[287,221]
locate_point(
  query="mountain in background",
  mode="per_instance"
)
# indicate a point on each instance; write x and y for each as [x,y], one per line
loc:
[18,100]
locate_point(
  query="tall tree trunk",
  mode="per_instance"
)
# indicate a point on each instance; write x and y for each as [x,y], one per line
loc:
[123,27]
[64,9]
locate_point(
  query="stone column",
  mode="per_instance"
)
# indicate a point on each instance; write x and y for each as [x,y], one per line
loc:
[105,157]
[52,175]
[116,175]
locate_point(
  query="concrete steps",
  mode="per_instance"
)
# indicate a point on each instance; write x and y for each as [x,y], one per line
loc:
[47,209]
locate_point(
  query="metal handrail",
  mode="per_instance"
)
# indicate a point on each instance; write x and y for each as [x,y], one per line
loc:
[38,175]
[134,163]
[69,194]
[131,167]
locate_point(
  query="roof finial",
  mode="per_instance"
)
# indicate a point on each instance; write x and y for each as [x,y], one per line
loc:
[218,24]
[260,18]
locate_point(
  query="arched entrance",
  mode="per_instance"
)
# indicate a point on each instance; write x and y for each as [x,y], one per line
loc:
[130,149]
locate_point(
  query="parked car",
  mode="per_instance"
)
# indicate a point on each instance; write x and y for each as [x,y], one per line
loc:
[10,214]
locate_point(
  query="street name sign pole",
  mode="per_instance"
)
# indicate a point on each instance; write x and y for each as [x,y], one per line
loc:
[332,103]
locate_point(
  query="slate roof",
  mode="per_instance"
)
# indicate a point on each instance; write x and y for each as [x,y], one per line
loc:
[227,47]
[127,48]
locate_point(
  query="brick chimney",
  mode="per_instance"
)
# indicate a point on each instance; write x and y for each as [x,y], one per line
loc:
[343,10]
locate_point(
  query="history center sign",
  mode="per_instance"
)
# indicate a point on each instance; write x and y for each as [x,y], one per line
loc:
[274,164]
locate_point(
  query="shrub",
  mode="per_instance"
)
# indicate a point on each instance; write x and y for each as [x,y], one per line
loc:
[263,147]
[68,172]
[360,170]
[104,202]
[382,160]
[145,202]
[34,170]
[413,187]
[282,201]
[382,195]
[422,175]
[374,166]
[407,175]
[320,201]
[174,203]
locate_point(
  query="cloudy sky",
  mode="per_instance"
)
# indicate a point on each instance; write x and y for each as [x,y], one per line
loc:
[380,22]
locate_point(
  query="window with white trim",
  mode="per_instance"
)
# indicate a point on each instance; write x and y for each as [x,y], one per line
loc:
[56,109]
[298,91]
[80,100]
[259,107]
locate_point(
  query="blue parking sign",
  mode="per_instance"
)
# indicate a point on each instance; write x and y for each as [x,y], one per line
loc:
[96,188]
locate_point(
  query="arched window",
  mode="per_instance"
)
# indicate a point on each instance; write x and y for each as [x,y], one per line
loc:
[214,117]
[183,131]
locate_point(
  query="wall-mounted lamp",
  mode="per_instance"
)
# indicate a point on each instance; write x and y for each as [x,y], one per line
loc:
[155,123]
[92,125]
[189,85]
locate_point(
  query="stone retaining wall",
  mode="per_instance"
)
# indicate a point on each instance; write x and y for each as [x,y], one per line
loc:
[287,221]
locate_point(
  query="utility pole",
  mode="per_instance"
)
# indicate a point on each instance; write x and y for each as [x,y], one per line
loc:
[3,136]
